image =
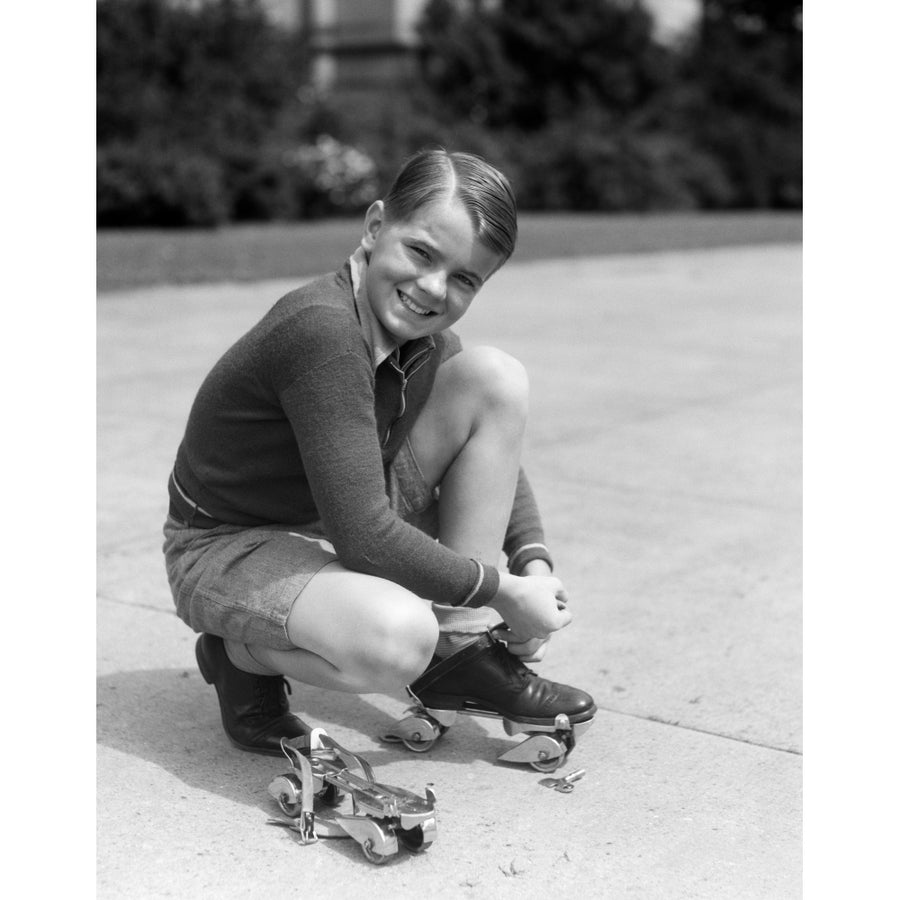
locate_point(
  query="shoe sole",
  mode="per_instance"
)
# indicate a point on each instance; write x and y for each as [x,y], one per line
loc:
[475,707]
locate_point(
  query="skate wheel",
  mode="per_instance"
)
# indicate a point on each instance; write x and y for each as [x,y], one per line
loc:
[289,795]
[371,855]
[418,839]
[547,765]
[418,746]
[330,795]
[294,810]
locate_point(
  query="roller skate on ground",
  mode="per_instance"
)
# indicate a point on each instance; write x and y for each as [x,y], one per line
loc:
[255,710]
[485,679]
[383,818]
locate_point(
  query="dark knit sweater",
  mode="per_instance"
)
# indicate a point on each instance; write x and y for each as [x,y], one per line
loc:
[294,424]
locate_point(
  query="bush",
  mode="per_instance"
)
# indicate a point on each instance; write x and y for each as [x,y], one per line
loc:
[570,168]
[142,185]
[195,108]
[587,110]
[202,118]
[588,162]
[526,63]
[204,113]
[746,103]
[261,187]
[333,177]
[205,76]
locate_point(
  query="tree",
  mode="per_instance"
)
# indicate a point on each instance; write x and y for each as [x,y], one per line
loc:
[745,66]
[216,74]
[196,104]
[569,97]
[527,63]
[579,99]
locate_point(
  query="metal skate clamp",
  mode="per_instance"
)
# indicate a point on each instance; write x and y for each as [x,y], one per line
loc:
[383,817]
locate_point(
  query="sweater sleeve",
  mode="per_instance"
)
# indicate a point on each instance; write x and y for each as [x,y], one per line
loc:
[331,410]
[524,540]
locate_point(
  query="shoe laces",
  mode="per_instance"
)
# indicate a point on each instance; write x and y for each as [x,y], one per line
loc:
[513,664]
[270,692]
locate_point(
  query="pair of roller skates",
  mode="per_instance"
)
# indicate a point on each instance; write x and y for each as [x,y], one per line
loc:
[383,817]
[485,679]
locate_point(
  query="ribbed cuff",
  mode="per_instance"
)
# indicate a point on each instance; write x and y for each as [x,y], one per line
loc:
[525,554]
[486,584]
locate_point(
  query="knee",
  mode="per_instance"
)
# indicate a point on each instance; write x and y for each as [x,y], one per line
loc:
[499,381]
[400,646]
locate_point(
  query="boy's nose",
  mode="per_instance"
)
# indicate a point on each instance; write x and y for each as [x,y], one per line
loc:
[434,284]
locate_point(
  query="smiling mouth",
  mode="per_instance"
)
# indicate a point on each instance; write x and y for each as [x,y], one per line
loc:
[414,307]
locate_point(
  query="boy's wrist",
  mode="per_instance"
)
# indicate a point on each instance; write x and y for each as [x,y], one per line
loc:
[503,599]
[527,553]
[536,567]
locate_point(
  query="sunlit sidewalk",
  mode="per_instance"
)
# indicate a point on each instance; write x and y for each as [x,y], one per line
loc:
[664,447]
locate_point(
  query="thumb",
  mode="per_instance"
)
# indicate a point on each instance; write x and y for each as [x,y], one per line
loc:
[565,616]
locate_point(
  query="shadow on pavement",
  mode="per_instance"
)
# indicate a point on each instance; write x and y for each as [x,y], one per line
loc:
[170,718]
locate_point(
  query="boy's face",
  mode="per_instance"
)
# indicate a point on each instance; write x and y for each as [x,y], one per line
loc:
[425,271]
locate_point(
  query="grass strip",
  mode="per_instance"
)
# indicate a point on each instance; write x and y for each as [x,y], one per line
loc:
[142,258]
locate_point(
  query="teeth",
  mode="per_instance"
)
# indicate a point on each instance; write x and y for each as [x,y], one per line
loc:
[409,304]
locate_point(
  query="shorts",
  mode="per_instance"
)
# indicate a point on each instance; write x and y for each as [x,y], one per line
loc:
[241,583]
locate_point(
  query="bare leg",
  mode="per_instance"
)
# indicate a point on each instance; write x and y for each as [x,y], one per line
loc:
[356,633]
[468,439]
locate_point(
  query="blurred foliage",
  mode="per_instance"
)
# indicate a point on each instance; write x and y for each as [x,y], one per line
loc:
[526,63]
[202,118]
[206,114]
[744,68]
[591,111]
[147,184]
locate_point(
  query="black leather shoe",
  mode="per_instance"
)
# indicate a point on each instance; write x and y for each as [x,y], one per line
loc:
[255,710]
[486,676]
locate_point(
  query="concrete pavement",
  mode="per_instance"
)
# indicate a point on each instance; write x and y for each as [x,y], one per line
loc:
[664,448]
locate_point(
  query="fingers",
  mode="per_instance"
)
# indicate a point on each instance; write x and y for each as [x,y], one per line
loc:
[533,607]
[532,629]
[529,651]
[562,604]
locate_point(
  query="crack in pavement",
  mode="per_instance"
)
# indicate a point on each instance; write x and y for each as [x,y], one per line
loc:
[719,734]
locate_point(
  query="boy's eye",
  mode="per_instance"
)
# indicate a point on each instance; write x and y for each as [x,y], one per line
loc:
[419,251]
[466,281]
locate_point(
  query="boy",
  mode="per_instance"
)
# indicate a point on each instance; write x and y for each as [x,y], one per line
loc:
[349,477]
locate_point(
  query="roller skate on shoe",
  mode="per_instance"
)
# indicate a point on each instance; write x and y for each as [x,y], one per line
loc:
[485,679]
[255,710]
[382,818]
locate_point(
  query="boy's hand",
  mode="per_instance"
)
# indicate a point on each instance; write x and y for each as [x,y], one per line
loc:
[532,606]
[531,650]
[528,651]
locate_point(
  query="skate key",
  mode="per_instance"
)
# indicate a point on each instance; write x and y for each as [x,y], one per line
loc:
[566,784]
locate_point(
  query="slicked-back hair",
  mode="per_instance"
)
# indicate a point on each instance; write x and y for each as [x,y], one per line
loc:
[485,193]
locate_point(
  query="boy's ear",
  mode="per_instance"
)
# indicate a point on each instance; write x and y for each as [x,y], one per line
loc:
[373,224]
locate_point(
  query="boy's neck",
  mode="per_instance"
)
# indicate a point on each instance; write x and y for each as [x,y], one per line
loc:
[381,343]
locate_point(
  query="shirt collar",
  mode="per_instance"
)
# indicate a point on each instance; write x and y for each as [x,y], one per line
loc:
[381,344]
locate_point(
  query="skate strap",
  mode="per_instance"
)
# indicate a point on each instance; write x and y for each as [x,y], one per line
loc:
[441,667]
